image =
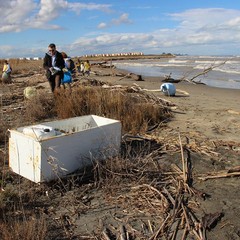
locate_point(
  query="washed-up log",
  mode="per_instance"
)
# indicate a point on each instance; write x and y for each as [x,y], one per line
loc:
[233,172]
[134,76]
[205,71]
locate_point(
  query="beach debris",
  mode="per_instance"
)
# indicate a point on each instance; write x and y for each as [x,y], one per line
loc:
[142,93]
[233,172]
[204,72]
[29,92]
[233,112]
[168,78]
[134,76]
[182,91]
[168,89]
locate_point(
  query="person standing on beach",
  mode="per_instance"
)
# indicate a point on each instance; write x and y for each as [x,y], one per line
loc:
[53,63]
[78,65]
[82,68]
[6,72]
[87,68]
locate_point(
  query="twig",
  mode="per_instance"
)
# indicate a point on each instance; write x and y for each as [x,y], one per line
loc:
[183,160]
[155,235]
[176,230]
[123,235]
[221,175]
[105,234]
[150,226]
[185,232]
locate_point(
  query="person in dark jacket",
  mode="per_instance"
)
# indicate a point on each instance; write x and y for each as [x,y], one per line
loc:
[53,63]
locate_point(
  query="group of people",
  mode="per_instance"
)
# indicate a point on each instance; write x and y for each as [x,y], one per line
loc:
[83,68]
[60,68]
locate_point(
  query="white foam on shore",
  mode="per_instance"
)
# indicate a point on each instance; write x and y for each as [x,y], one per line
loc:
[225,72]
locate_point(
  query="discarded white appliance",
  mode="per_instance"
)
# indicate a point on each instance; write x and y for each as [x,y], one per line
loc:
[54,149]
[168,89]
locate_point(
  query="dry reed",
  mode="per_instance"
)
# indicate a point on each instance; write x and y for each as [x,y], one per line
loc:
[136,114]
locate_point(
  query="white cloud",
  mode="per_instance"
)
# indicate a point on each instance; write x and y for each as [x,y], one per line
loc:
[102,25]
[77,7]
[13,13]
[122,19]
[196,30]
[19,15]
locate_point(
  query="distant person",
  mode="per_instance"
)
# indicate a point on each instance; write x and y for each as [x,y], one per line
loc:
[6,72]
[168,89]
[53,63]
[87,68]
[78,65]
[82,68]
[68,71]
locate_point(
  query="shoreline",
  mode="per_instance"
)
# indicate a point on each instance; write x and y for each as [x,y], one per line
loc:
[205,70]
[211,111]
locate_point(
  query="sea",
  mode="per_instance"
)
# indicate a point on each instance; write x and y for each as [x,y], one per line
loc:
[224,73]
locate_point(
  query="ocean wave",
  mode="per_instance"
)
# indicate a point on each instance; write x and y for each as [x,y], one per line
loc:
[165,64]
[232,80]
[227,70]
[224,75]
[177,61]
[209,62]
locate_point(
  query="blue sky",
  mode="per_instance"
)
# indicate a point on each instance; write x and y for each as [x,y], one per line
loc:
[206,27]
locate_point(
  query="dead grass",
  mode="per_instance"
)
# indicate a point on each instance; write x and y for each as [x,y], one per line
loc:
[3,129]
[31,229]
[22,66]
[136,114]
[40,107]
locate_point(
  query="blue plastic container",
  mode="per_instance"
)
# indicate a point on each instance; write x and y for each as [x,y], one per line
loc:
[168,89]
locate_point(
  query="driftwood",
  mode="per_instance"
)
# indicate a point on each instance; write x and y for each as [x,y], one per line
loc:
[169,79]
[191,80]
[220,175]
[134,76]
[232,172]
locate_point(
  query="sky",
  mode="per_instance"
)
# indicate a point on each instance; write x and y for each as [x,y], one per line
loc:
[205,27]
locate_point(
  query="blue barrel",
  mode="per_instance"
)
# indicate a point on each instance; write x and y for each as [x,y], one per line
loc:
[168,89]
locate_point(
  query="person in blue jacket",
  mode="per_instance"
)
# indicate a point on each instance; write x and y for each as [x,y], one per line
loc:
[53,63]
[68,72]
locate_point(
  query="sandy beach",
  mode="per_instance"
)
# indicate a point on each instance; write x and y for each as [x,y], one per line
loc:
[213,112]
[210,117]
[206,119]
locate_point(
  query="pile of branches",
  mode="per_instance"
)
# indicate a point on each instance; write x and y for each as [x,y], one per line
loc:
[161,199]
